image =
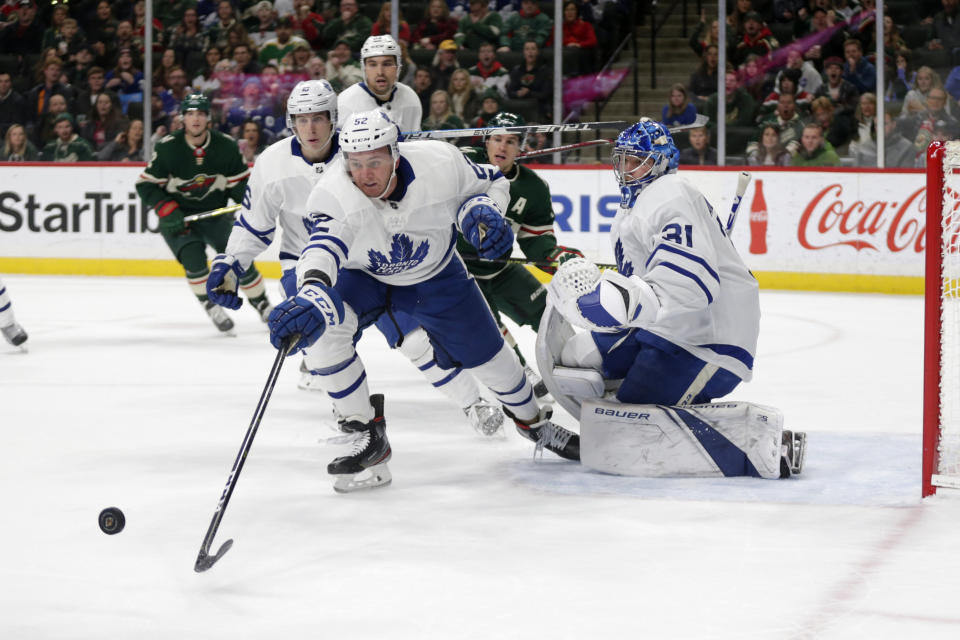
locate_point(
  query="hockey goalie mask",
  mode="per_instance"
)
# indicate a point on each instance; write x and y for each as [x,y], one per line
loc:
[312,96]
[367,131]
[643,153]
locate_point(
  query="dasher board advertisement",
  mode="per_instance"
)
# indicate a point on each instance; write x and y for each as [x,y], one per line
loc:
[835,229]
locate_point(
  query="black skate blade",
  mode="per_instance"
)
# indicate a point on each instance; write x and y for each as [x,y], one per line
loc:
[205,561]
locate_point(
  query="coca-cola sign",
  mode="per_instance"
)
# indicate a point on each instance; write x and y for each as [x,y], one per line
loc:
[831,220]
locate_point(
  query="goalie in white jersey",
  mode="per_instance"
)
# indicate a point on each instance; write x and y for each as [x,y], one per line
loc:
[384,238]
[380,58]
[676,324]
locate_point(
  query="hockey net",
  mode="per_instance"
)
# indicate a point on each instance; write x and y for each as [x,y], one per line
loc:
[941,428]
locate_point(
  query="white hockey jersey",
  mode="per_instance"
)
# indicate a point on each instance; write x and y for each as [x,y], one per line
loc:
[403,107]
[404,240]
[710,302]
[277,194]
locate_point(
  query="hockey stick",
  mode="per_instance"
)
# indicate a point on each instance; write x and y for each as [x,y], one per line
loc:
[528,263]
[204,559]
[534,128]
[742,181]
[210,214]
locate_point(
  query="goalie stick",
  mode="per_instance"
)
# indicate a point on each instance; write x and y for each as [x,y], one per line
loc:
[204,559]
[742,181]
[210,214]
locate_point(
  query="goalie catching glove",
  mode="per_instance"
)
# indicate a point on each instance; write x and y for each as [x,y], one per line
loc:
[597,301]
[225,273]
[307,314]
[484,227]
[559,255]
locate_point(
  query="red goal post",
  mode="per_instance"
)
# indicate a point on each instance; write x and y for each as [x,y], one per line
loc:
[941,367]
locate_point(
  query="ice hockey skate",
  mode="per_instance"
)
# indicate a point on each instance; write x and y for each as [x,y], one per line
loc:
[548,435]
[793,450]
[14,334]
[539,387]
[365,467]
[263,308]
[219,316]
[486,418]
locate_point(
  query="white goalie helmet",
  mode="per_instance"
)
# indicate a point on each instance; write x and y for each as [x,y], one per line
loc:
[311,96]
[380,46]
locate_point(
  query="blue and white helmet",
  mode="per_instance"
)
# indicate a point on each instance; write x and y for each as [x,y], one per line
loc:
[366,131]
[311,96]
[383,45]
[652,145]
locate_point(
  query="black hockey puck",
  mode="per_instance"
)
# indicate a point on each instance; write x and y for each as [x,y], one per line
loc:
[112,521]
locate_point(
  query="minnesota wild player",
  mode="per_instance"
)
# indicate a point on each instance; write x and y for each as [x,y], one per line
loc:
[511,288]
[194,170]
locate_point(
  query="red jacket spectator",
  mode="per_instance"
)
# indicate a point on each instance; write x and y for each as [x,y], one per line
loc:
[435,27]
[310,23]
[757,39]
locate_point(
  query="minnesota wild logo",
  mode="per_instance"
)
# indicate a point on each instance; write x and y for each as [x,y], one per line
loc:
[623,266]
[402,256]
[198,187]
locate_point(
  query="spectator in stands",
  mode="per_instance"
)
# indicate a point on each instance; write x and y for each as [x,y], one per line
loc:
[407,66]
[903,79]
[736,20]
[219,23]
[488,72]
[381,25]
[37,99]
[436,26]
[168,60]
[703,81]
[26,34]
[206,81]
[423,86]
[13,107]
[52,34]
[252,141]
[309,22]
[316,68]
[126,79]
[92,86]
[275,49]
[68,146]
[700,152]
[16,146]
[102,33]
[857,70]
[188,40]
[678,110]
[444,63]
[946,29]
[752,77]
[741,108]
[837,129]
[788,84]
[105,123]
[479,26]
[789,11]
[140,28]
[490,101]
[296,61]
[789,122]
[127,146]
[441,115]
[124,39]
[464,99]
[701,38]
[916,98]
[76,73]
[44,132]
[250,106]
[533,79]
[864,119]
[177,89]
[833,38]
[925,124]
[579,34]
[261,23]
[897,150]
[814,150]
[841,92]
[242,56]
[351,26]
[757,39]
[528,24]
[342,70]
[770,152]
[809,78]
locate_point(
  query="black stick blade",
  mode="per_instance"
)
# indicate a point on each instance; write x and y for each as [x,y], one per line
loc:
[205,561]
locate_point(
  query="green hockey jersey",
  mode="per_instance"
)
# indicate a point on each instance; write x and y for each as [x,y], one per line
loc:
[198,178]
[530,213]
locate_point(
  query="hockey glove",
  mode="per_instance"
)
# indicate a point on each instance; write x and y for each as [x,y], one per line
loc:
[225,272]
[559,255]
[171,217]
[485,227]
[309,313]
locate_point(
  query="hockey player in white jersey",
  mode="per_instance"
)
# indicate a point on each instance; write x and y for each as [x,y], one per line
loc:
[11,329]
[383,239]
[380,58]
[674,325]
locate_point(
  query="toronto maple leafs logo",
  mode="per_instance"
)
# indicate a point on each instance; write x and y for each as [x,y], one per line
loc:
[623,266]
[402,256]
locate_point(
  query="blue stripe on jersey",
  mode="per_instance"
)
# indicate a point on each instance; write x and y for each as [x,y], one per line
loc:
[450,377]
[314,237]
[738,353]
[336,258]
[405,176]
[3,291]
[428,365]
[517,404]
[329,371]
[5,307]
[343,394]
[523,381]
[380,103]
[262,236]
[730,458]
[667,246]
[692,276]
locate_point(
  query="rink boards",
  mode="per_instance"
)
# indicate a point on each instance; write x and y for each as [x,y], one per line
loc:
[842,229]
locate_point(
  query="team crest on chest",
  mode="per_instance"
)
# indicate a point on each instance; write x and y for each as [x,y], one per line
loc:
[624,266]
[197,187]
[402,256]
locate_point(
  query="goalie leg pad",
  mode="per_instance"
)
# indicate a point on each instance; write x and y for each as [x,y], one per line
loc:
[709,440]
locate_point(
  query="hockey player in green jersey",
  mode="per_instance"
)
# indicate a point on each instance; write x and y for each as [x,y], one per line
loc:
[195,170]
[511,288]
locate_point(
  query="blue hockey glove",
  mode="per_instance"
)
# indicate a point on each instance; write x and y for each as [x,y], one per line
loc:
[309,313]
[225,272]
[485,227]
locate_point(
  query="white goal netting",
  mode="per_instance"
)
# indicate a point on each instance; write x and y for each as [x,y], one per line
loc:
[947,472]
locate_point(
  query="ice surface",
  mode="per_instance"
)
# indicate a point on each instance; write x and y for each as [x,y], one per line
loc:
[128,397]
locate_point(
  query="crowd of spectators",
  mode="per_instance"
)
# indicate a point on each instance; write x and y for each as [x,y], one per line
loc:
[72,84]
[800,82]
